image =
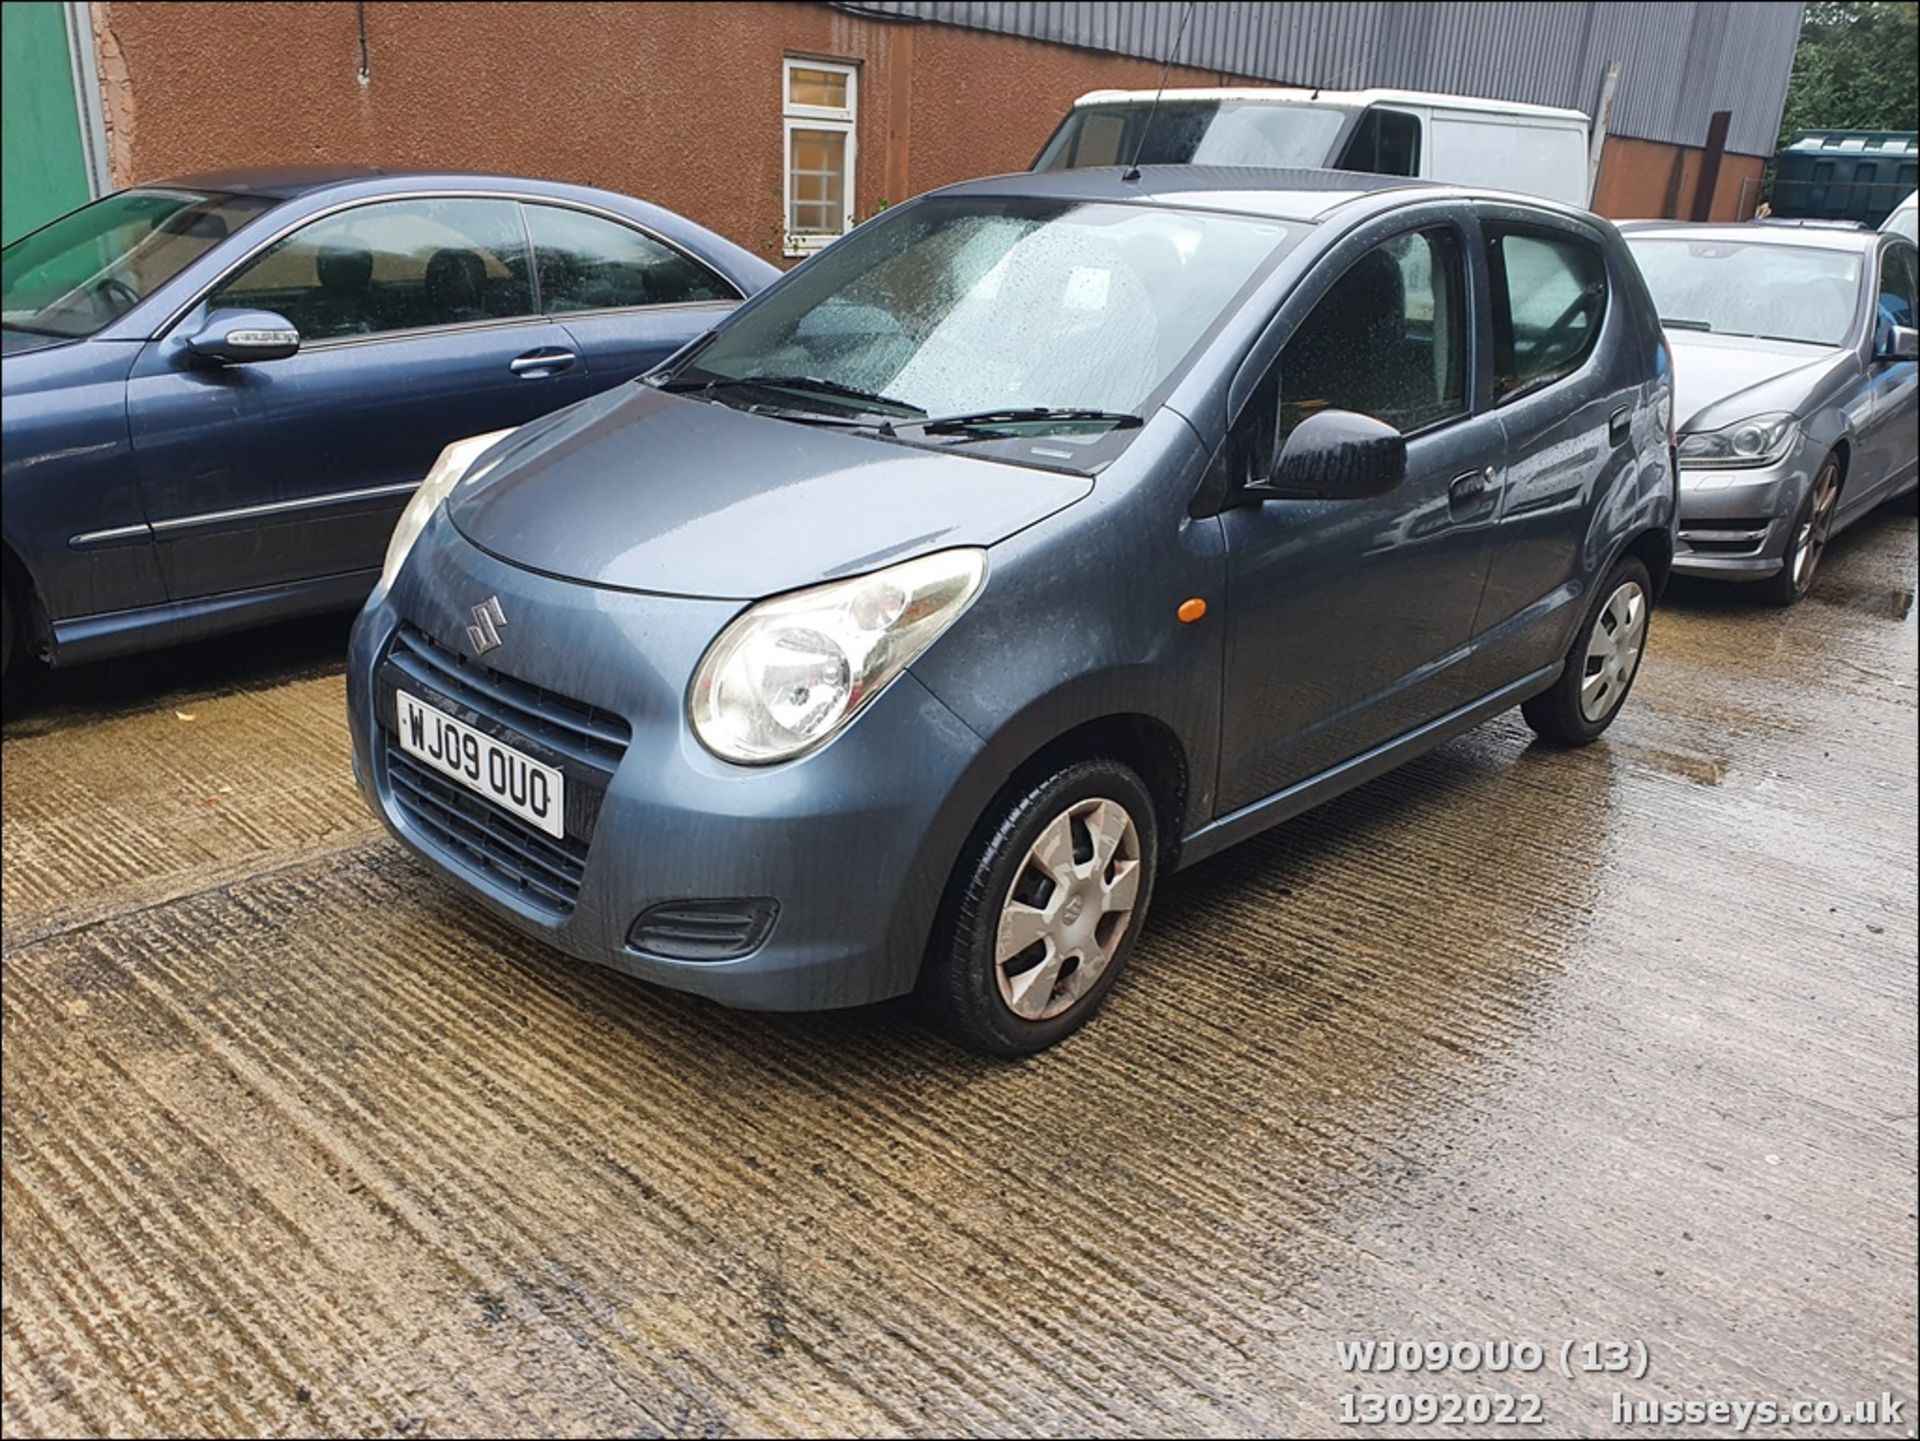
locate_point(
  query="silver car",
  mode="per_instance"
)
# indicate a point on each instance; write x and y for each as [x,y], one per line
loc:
[1794,389]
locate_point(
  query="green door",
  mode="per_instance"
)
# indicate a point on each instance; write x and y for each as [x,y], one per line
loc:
[43,156]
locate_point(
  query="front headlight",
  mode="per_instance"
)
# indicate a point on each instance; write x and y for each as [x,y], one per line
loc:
[447,472]
[791,671]
[1759,441]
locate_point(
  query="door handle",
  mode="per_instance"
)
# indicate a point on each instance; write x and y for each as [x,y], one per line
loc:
[1619,426]
[1471,487]
[537,363]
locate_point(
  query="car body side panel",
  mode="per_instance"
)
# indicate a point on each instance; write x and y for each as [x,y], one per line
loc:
[1351,619]
[1587,469]
[1886,462]
[72,512]
[292,469]
[620,344]
[1078,621]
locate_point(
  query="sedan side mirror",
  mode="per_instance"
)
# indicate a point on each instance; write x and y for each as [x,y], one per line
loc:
[239,337]
[1337,455]
[1902,343]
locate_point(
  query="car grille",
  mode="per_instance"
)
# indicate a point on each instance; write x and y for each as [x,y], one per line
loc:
[583,733]
[525,861]
[529,863]
[1738,536]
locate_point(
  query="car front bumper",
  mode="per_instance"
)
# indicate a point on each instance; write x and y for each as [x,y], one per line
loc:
[851,844]
[1736,524]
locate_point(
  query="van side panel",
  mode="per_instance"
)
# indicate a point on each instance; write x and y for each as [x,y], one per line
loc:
[1507,153]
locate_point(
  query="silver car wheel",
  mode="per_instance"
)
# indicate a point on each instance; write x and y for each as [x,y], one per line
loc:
[1613,651]
[1810,539]
[1068,908]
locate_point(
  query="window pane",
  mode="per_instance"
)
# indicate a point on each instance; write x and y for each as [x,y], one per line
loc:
[806,86]
[970,303]
[1556,292]
[1732,287]
[816,172]
[1896,289]
[395,266]
[591,263]
[1389,339]
[1385,142]
[90,267]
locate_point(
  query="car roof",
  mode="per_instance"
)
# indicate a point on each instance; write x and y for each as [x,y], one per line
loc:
[290,182]
[1297,95]
[1306,195]
[1797,237]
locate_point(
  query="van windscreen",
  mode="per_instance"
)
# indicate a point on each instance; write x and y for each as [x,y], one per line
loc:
[1195,132]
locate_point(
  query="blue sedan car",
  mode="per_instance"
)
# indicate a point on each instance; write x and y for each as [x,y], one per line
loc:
[221,390]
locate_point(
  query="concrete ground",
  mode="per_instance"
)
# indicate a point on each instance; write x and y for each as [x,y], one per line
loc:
[1511,1046]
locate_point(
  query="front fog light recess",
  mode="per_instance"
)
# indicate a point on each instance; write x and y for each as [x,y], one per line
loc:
[448,471]
[791,671]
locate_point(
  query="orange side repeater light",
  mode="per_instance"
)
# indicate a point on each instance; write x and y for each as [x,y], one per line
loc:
[1191,610]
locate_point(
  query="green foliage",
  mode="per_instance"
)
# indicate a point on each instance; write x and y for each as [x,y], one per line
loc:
[1854,69]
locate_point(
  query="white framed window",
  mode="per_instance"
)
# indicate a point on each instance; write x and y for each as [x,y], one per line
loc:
[820,102]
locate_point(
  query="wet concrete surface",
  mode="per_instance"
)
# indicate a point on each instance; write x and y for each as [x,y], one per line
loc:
[1512,1045]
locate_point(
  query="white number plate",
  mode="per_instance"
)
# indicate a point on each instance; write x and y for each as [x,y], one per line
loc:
[511,780]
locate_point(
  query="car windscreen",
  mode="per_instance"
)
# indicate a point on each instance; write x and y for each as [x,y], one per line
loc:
[1195,132]
[91,266]
[982,306]
[1745,288]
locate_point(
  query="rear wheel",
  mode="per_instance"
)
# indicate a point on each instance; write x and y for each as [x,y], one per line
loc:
[1043,909]
[1807,545]
[1601,664]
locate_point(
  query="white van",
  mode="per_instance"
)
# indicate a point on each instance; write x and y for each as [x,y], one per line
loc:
[1905,219]
[1533,149]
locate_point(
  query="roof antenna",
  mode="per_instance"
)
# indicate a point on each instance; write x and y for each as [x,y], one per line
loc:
[1132,171]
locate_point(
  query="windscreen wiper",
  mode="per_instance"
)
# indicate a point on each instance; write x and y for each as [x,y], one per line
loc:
[1685,324]
[993,422]
[811,384]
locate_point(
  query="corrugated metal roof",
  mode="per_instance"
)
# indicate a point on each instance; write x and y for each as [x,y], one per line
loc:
[1679,62]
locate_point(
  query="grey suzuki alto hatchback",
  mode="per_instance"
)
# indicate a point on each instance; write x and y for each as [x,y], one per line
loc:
[1044,534]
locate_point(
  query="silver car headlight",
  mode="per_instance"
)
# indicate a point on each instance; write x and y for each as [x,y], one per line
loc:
[1761,440]
[448,471]
[791,671]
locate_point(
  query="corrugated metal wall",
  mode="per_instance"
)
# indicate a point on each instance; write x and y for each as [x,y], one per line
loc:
[1679,61]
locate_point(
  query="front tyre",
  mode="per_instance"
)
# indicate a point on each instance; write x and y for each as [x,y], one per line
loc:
[1602,663]
[1807,543]
[1043,909]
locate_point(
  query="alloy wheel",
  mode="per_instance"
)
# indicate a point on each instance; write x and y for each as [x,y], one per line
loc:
[1810,537]
[1613,651]
[1068,908]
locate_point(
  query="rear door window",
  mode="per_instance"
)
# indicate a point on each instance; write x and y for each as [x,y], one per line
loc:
[393,265]
[587,262]
[1549,294]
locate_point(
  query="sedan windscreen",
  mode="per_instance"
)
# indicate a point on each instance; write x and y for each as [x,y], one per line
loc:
[90,267]
[1764,291]
[967,305]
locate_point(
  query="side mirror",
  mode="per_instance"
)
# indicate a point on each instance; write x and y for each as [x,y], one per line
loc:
[1902,343]
[239,337]
[1337,455]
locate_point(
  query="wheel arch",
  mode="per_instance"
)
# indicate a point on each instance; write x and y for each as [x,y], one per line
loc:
[23,593]
[1145,745]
